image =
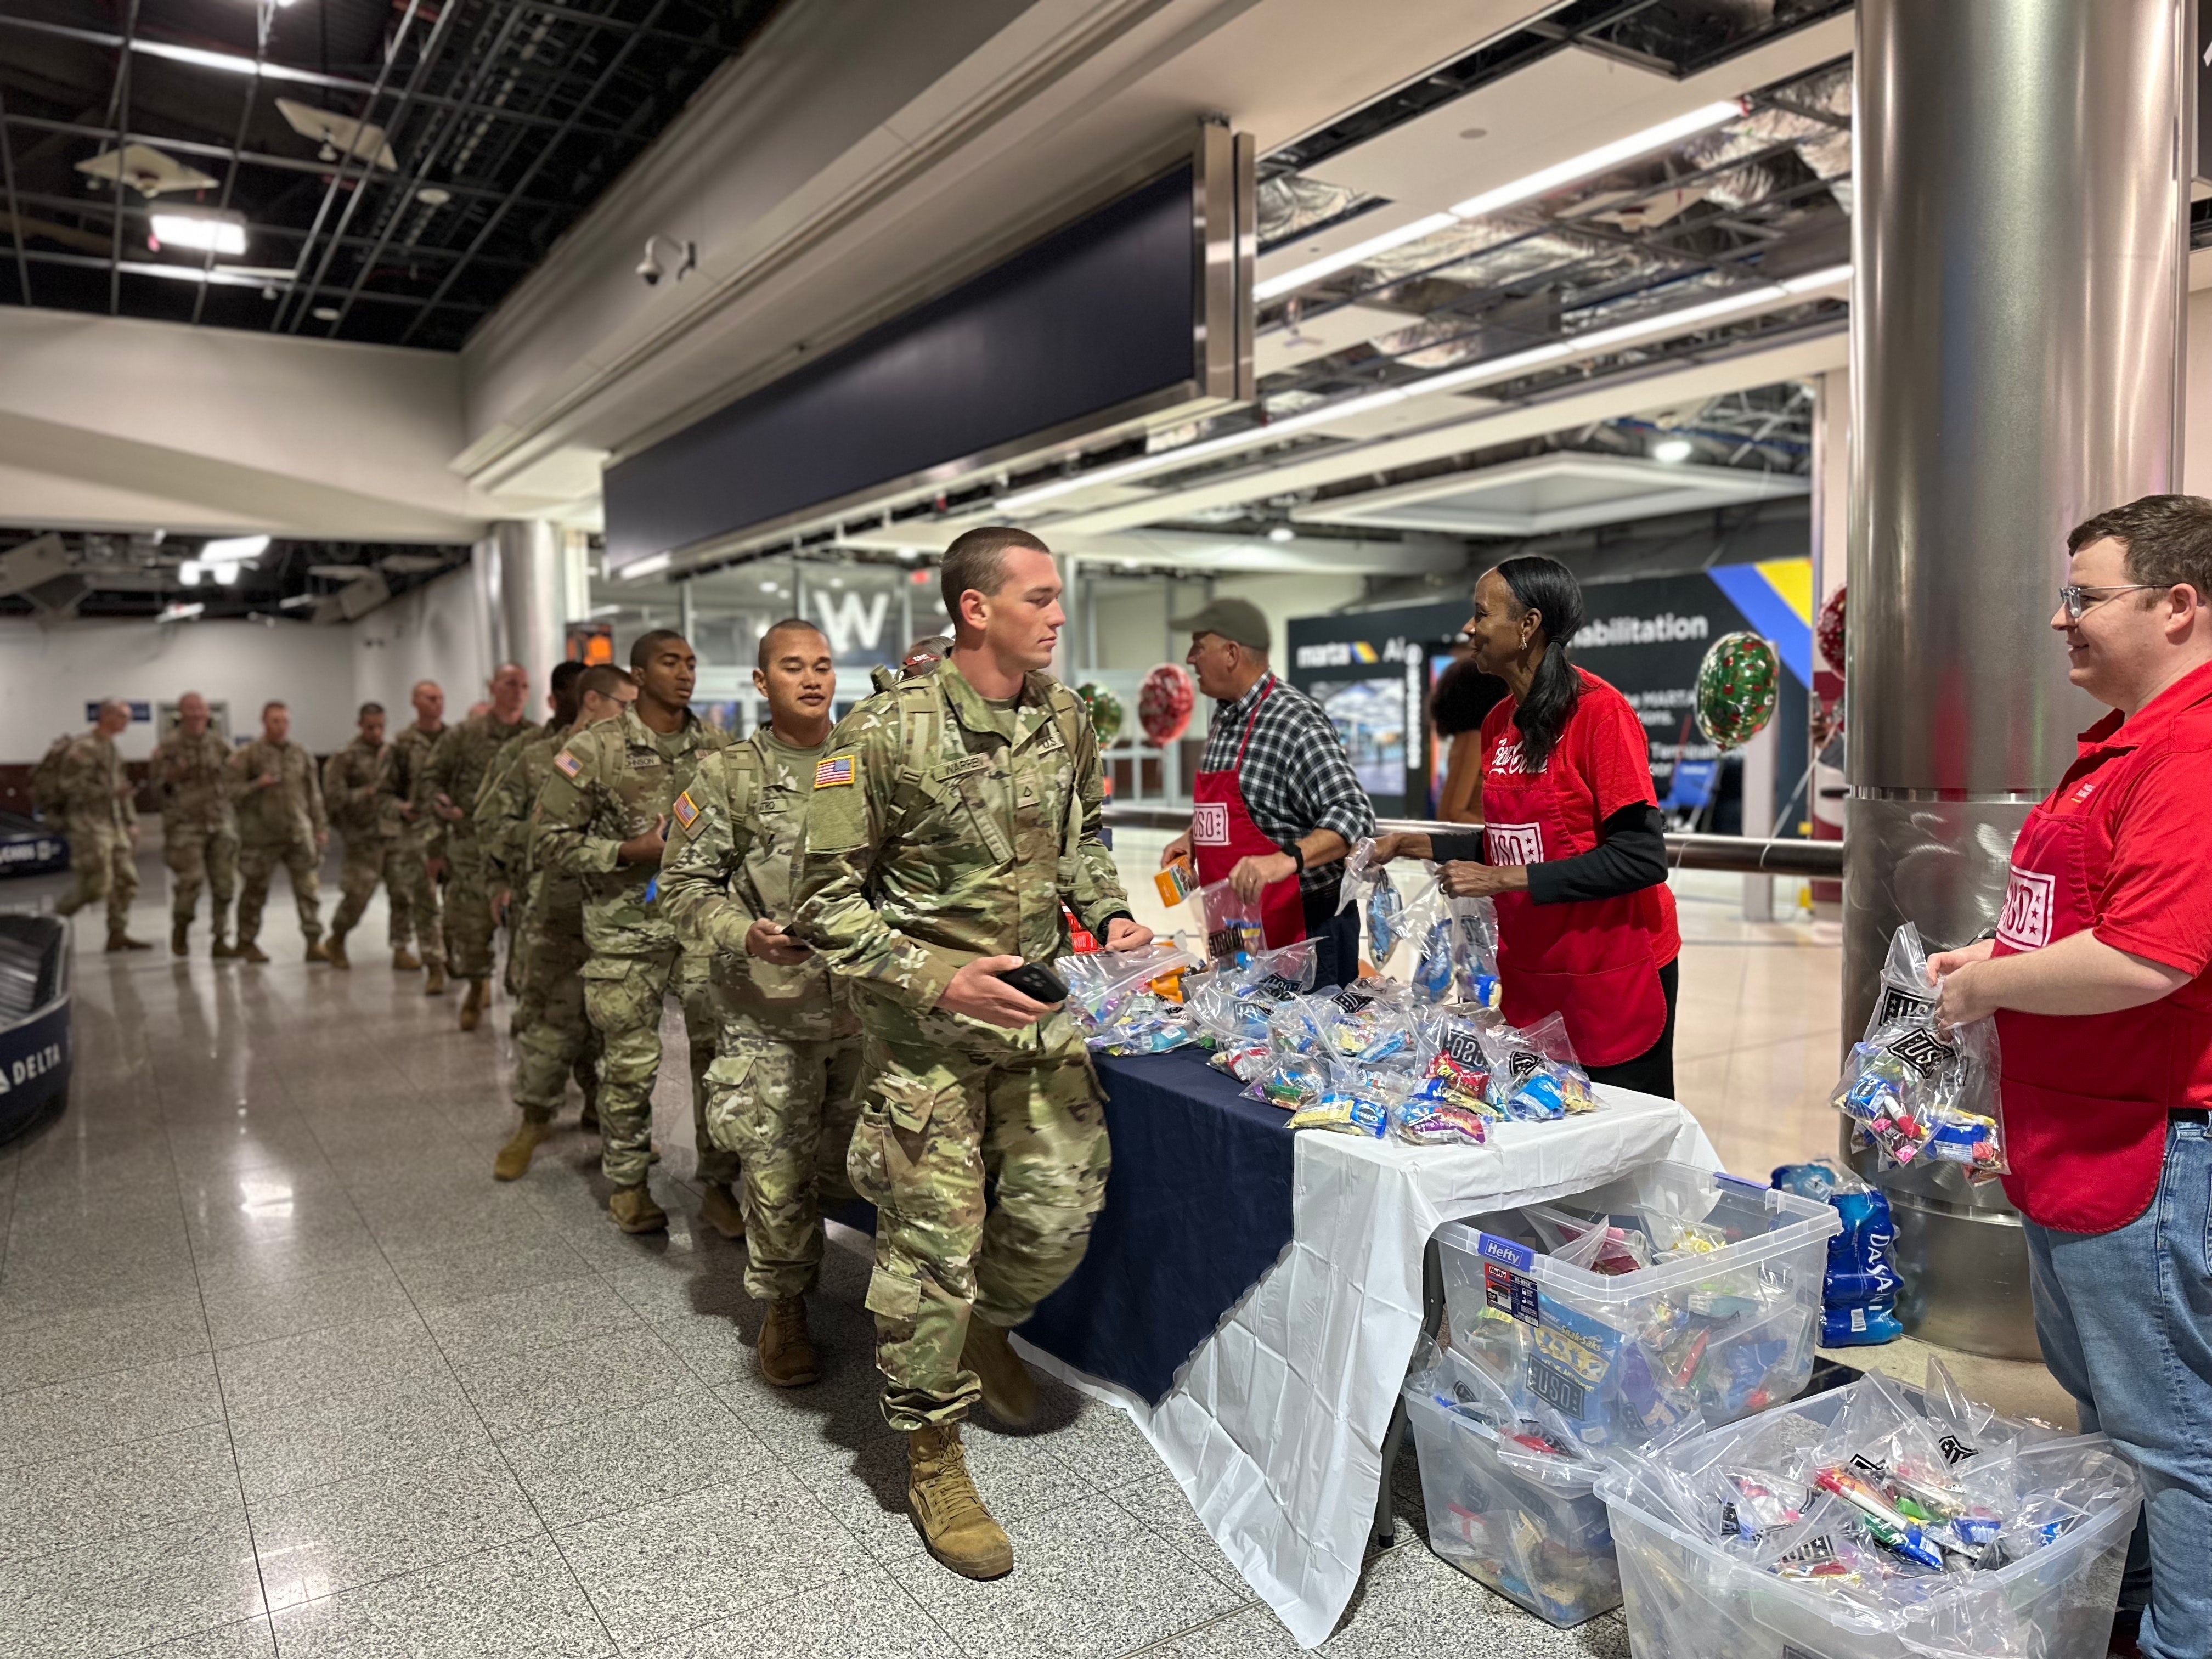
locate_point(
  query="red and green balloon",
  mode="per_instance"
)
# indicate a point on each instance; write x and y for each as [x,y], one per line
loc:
[1164,703]
[1739,683]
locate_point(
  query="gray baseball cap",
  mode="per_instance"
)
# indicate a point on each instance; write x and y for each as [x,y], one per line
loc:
[1233,619]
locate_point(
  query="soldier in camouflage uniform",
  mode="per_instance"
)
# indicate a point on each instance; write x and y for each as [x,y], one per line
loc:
[416,912]
[554,1039]
[100,826]
[952,817]
[603,818]
[448,792]
[783,1087]
[280,820]
[199,831]
[367,816]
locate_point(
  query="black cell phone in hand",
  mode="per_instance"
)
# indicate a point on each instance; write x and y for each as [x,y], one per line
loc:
[1036,981]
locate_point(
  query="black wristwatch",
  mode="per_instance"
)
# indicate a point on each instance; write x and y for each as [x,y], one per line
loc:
[1298,856]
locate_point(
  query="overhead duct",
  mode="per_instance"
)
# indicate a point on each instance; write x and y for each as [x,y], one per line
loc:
[43,571]
[356,600]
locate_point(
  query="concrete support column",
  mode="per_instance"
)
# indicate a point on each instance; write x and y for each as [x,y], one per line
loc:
[2019,246]
[527,585]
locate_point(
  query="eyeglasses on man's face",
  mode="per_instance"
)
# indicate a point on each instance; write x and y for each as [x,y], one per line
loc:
[2076,599]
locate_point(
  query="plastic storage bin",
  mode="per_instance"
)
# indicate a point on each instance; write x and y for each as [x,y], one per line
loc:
[1614,1359]
[1529,1526]
[1689,1598]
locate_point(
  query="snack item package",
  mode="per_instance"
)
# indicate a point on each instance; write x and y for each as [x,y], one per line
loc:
[1475,952]
[1231,925]
[1527,1083]
[1913,1093]
[1858,1293]
[1099,982]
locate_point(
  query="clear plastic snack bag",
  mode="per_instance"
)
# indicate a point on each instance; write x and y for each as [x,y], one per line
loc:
[1533,1074]
[1367,883]
[1913,1093]
[1475,952]
[1232,925]
[1099,982]
[1235,1003]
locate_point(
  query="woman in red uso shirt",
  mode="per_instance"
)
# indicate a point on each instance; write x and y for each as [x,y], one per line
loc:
[2099,973]
[1572,848]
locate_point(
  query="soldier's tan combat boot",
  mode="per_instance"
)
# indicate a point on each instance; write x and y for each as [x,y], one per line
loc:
[1008,1388]
[787,1356]
[404,961]
[513,1160]
[222,949]
[635,1211]
[472,1006]
[119,940]
[436,985]
[954,1525]
[334,951]
[318,950]
[179,944]
[250,950]
[720,1210]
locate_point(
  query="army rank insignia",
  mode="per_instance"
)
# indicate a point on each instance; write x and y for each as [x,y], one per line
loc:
[837,769]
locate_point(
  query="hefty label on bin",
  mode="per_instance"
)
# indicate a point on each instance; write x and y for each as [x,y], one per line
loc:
[1744,1182]
[1491,1248]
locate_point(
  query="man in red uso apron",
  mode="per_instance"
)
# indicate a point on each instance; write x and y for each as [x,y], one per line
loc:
[2099,974]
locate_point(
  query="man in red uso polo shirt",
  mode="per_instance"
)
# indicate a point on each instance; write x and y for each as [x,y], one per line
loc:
[2098,976]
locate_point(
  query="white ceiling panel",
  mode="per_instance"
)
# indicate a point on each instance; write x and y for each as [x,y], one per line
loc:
[1551,493]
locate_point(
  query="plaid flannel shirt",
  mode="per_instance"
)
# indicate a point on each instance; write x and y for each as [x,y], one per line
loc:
[1296,777]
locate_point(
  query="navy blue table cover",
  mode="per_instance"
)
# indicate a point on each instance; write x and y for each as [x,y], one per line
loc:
[1197,1208]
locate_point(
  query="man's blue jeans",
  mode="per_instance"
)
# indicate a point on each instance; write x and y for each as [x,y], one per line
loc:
[2125,1321]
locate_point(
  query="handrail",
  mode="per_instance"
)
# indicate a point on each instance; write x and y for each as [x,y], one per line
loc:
[1822,860]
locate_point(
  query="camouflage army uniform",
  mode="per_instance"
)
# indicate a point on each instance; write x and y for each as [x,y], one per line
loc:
[554,1039]
[367,816]
[456,770]
[941,829]
[607,785]
[417,914]
[782,1091]
[96,818]
[277,826]
[199,831]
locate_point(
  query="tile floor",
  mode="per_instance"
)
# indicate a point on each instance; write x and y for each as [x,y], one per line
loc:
[282,1371]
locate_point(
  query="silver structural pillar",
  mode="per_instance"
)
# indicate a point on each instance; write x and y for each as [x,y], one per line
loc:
[2018,280]
[528,578]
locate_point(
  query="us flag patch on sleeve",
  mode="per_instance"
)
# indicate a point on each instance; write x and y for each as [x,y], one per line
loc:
[686,811]
[568,764]
[837,769]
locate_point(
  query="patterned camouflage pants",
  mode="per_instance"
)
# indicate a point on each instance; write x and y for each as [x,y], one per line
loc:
[623,996]
[200,857]
[468,911]
[947,1106]
[257,863]
[786,1107]
[369,860]
[553,1038]
[100,856]
[417,910]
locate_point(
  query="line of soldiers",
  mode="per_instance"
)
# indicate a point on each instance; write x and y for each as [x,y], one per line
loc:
[833,910]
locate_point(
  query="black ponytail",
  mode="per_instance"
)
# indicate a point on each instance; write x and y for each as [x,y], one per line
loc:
[1549,588]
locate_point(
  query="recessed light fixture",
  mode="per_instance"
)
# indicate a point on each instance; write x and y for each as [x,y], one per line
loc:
[1282,533]
[234,550]
[1672,450]
[1540,183]
[326,313]
[770,587]
[433,195]
[207,232]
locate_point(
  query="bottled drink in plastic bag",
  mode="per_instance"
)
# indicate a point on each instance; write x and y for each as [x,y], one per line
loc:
[1858,1294]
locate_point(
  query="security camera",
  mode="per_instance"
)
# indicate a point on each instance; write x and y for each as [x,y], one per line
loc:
[653,266]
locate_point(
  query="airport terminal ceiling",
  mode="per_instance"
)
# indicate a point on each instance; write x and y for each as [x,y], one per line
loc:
[395,167]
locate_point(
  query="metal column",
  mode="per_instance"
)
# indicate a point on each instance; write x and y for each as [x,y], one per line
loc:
[2018,262]
[529,582]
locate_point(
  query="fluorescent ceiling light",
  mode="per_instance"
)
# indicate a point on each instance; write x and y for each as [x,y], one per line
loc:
[1672,450]
[1542,182]
[1545,180]
[234,549]
[1358,253]
[217,233]
[188,573]
[646,567]
[1489,371]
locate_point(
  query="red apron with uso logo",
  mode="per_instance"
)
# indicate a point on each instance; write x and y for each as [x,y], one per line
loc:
[2085,1095]
[1590,961]
[1222,833]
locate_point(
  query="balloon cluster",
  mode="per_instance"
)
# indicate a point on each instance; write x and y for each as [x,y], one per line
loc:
[1828,632]
[1106,711]
[1163,704]
[1738,685]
